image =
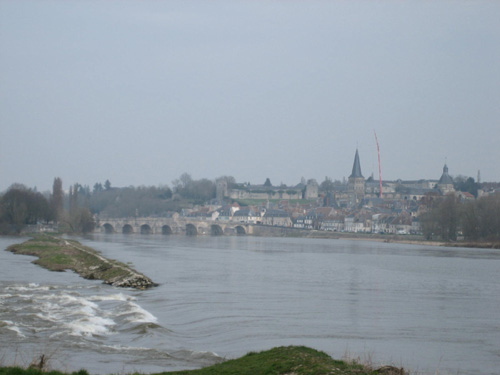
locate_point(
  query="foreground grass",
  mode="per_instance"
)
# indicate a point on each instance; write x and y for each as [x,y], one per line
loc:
[57,254]
[35,371]
[292,360]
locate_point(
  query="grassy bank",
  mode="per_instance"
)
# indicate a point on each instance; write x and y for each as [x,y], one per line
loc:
[57,254]
[290,360]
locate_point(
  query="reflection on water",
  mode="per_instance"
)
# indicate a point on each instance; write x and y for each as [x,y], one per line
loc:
[422,307]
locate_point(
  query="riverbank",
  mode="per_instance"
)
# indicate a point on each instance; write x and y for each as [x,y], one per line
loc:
[413,240]
[477,245]
[409,239]
[296,360]
[267,231]
[57,254]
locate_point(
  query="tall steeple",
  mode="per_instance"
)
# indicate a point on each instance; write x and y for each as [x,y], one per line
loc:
[356,182]
[356,167]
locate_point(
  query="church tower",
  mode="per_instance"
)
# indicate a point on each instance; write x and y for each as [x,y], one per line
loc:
[356,180]
[445,184]
[221,190]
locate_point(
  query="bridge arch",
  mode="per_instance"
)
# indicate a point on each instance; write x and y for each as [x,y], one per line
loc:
[240,231]
[216,230]
[108,228]
[127,229]
[166,229]
[145,229]
[191,230]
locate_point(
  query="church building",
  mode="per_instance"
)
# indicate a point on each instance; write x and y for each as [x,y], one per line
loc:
[356,182]
[445,184]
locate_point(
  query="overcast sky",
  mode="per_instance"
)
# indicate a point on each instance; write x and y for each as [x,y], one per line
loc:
[139,92]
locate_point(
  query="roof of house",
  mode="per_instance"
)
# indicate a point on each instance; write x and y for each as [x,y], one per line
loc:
[467,194]
[418,191]
[276,213]
[245,212]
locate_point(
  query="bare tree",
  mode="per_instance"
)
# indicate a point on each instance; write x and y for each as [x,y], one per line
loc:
[448,218]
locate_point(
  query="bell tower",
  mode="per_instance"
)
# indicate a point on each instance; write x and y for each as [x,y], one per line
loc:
[356,179]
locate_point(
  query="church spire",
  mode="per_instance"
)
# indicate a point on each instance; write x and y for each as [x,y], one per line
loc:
[356,168]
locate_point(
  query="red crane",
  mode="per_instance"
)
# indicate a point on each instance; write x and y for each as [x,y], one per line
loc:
[379,167]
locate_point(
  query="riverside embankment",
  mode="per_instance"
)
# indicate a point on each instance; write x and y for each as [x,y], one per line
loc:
[408,239]
[278,361]
[57,254]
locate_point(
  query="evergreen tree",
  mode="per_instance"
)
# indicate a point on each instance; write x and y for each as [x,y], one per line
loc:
[57,198]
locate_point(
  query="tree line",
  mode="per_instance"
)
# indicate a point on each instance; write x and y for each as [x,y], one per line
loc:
[74,211]
[477,220]
[21,206]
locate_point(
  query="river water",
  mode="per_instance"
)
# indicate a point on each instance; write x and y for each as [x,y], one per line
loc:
[432,310]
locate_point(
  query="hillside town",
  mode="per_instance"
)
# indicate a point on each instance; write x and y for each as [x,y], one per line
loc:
[358,205]
[447,208]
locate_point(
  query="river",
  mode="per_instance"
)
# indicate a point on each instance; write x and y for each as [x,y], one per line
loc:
[429,309]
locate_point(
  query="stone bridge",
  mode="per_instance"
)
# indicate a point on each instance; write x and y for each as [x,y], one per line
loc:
[159,225]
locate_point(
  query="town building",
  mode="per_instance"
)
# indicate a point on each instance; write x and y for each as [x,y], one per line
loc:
[278,218]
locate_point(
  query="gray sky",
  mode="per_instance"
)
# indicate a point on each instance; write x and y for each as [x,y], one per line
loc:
[140,92]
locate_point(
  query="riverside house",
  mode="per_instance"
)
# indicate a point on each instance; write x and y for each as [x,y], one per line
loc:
[278,218]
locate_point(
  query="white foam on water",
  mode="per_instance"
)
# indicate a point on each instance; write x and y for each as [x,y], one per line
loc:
[68,299]
[112,297]
[63,306]
[5,323]
[203,354]
[139,315]
[52,312]
[12,327]
[121,348]
[90,326]
[29,287]
[76,314]
[69,314]
[17,330]
[65,311]
[24,296]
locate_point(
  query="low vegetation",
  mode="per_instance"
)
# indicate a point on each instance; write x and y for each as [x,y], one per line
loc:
[292,360]
[57,254]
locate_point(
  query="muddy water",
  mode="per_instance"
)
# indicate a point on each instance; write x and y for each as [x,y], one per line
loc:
[429,309]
